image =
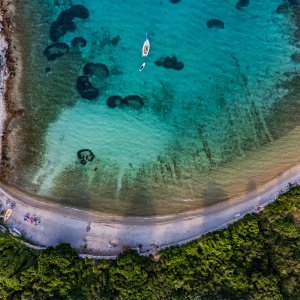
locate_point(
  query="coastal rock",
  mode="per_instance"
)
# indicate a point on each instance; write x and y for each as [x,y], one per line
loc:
[215,23]
[134,101]
[114,101]
[86,89]
[79,41]
[242,3]
[18,113]
[64,22]
[4,155]
[85,155]
[56,50]
[170,62]
[97,69]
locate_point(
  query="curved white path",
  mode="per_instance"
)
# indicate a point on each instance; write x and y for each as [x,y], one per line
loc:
[110,235]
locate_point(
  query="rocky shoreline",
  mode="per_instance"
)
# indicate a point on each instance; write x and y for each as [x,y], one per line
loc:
[3,75]
[10,74]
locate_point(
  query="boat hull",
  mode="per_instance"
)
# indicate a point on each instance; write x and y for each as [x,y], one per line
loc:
[146,48]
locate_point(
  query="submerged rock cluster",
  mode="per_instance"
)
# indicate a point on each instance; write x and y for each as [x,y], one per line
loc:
[114,101]
[215,23]
[170,62]
[115,41]
[63,24]
[97,69]
[56,50]
[219,24]
[285,7]
[84,86]
[85,155]
[86,89]
[132,100]
[78,41]
[242,3]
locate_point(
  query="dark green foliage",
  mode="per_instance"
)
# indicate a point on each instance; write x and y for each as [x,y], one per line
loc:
[255,258]
[55,272]
[128,275]
[14,259]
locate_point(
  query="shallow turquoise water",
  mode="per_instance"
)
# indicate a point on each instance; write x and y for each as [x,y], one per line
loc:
[218,109]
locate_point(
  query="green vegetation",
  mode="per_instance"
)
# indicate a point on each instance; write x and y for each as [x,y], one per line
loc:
[256,258]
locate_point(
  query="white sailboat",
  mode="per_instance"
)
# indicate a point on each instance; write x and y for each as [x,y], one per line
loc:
[146,47]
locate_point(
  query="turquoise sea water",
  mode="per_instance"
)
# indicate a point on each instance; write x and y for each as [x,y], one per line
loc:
[221,107]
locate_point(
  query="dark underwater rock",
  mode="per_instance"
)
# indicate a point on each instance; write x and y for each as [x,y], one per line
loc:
[178,66]
[215,23]
[85,155]
[293,2]
[79,41]
[86,89]
[47,70]
[242,3]
[175,1]
[97,69]
[56,50]
[282,9]
[295,57]
[64,22]
[58,30]
[78,11]
[287,7]
[115,41]
[114,101]
[159,62]
[170,62]
[134,101]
